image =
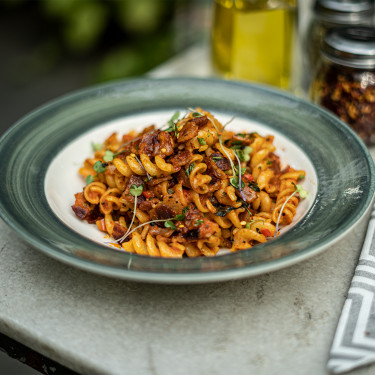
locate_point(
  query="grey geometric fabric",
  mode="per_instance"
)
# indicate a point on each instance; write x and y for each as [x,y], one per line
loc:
[354,342]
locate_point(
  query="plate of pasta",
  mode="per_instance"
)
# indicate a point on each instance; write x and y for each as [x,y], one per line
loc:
[183,180]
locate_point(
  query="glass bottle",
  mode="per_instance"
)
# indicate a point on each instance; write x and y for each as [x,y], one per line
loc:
[329,14]
[253,40]
[345,80]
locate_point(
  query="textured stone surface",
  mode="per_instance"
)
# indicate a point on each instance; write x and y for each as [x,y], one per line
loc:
[277,323]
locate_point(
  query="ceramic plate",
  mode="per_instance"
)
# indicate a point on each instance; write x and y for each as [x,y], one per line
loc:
[45,149]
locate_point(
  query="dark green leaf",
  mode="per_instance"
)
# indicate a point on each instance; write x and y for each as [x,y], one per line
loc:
[235,181]
[179,217]
[89,179]
[201,141]
[185,210]
[99,167]
[223,210]
[169,224]
[189,169]
[254,186]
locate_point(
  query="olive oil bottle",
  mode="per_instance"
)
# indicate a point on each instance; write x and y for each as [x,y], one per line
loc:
[253,40]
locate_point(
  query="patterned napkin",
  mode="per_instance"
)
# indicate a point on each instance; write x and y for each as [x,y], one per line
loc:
[354,342]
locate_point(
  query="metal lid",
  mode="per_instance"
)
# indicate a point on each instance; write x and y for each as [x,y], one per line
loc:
[351,46]
[344,11]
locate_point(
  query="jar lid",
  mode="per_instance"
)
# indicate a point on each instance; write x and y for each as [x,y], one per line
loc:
[350,46]
[344,11]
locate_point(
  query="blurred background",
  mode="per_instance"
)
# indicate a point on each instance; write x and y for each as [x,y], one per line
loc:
[51,47]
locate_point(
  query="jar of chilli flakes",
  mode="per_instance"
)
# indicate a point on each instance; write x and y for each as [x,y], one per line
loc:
[345,80]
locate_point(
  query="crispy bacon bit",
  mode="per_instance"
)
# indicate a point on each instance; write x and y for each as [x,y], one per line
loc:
[207,228]
[118,231]
[248,193]
[189,131]
[181,159]
[213,170]
[165,144]
[162,212]
[200,121]
[81,207]
[147,144]
[220,161]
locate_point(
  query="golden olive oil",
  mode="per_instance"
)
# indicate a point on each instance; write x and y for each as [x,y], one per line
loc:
[253,40]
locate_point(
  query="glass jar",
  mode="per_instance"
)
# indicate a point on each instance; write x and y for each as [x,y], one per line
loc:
[345,80]
[253,40]
[329,14]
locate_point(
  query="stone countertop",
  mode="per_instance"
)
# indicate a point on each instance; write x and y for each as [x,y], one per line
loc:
[277,323]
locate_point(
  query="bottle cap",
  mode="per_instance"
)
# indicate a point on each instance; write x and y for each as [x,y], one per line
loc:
[350,46]
[344,11]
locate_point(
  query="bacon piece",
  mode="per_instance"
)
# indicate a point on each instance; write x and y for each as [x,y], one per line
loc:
[147,144]
[162,212]
[207,228]
[248,193]
[157,181]
[220,161]
[189,131]
[81,207]
[118,231]
[181,159]
[164,145]
[213,170]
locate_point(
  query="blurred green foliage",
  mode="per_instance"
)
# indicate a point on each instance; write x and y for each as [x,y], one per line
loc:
[123,37]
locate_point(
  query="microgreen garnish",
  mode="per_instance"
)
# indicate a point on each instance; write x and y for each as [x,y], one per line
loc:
[216,158]
[89,179]
[99,167]
[201,141]
[196,114]
[253,185]
[244,154]
[173,123]
[302,193]
[247,226]
[96,146]
[108,156]
[179,217]
[169,224]
[246,207]
[235,181]
[135,190]
[198,222]
[189,169]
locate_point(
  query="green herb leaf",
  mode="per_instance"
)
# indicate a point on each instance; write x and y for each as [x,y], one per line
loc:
[96,146]
[170,191]
[89,179]
[244,154]
[235,181]
[172,122]
[198,222]
[179,217]
[108,156]
[135,190]
[196,114]
[243,170]
[189,169]
[253,185]
[223,210]
[99,167]
[185,210]
[247,226]
[169,224]
[201,141]
[216,158]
